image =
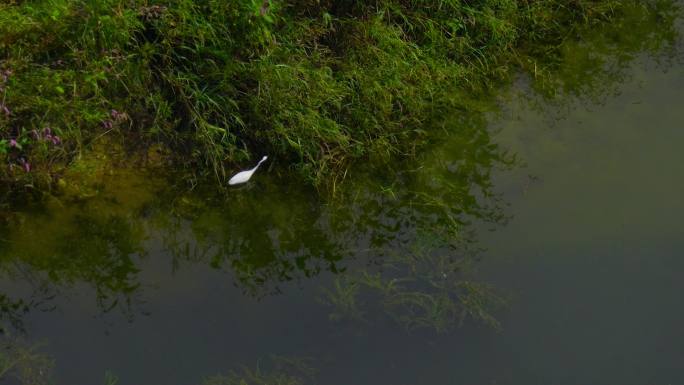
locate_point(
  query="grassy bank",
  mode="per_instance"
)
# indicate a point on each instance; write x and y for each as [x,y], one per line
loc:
[211,84]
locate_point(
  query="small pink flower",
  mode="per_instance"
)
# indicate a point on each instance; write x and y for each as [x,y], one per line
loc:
[47,131]
[56,140]
[13,143]
[107,124]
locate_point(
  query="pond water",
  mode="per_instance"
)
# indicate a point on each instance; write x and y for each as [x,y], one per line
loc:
[567,209]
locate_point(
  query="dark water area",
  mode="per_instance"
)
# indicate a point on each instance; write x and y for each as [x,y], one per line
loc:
[594,249]
[568,209]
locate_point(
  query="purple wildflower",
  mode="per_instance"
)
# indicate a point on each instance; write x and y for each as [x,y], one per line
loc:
[13,143]
[107,124]
[115,114]
[47,131]
[56,140]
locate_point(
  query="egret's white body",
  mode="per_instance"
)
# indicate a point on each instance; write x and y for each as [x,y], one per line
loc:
[243,176]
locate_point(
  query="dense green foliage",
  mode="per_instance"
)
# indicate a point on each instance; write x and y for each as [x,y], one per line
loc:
[319,84]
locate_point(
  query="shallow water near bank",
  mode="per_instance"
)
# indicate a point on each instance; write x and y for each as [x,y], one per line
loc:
[160,286]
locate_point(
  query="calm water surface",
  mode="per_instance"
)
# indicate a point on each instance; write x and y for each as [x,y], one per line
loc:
[594,250]
[583,234]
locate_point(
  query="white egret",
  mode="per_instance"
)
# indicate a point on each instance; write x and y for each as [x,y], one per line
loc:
[243,176]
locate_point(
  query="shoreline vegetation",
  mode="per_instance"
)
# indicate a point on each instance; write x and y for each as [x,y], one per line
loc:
[92,91]
[205,86]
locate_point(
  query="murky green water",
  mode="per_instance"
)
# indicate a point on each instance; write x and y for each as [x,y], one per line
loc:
[568,211]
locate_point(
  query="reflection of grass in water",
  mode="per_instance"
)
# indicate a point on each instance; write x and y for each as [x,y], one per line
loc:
[110,378]
[424,288]
[344,297]
[23,363]
[592,66]
[284,371]
[452,187]
[11,311]
[249,377]
[88,231]
[421,279]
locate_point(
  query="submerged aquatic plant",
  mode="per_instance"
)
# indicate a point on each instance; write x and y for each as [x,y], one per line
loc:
[24,363]
[422,289]
[279,371]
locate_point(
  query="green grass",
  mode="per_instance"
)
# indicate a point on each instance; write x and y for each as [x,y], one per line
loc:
[318,85]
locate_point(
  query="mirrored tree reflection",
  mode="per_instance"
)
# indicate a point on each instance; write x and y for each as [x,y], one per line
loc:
[263,236]
[398,236]
[595,63]
[12,311]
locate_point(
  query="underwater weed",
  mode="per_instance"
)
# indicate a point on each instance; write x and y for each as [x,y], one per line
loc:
[418,291]
[280,370]
[23,363]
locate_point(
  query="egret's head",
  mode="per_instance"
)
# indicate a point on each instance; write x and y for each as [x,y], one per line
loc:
[264,158]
